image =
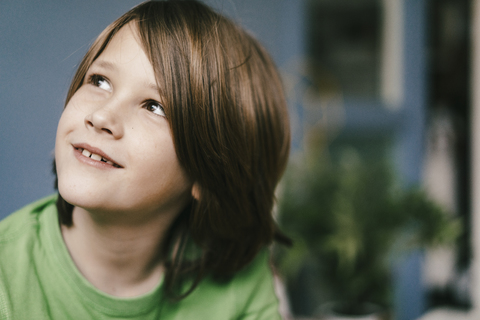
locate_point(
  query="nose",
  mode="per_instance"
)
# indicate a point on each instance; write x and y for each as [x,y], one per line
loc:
[105,120]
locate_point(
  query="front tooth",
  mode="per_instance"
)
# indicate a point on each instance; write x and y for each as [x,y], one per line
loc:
[86,153]
[95,156]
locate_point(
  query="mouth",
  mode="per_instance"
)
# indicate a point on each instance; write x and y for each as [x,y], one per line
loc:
[96,155]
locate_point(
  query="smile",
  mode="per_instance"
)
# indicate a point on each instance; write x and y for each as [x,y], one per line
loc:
[96,157]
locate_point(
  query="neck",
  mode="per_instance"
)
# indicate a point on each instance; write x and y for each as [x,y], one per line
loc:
[120,259]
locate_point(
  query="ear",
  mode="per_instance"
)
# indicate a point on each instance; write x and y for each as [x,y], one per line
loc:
[196,191]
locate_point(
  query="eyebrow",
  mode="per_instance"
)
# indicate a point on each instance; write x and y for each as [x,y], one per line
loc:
[111,67]
[104,64]
[152,86]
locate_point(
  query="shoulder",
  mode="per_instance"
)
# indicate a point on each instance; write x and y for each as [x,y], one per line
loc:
[18,223]
[254,288]
[18,240]
[19,235]
[19,232]
[249,294]
[256,273]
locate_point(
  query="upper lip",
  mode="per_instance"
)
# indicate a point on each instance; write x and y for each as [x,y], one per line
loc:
[95,150]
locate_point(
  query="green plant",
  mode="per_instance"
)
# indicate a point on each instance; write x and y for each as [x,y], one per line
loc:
[348,218]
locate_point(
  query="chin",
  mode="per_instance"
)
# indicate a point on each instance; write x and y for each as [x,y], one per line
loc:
[78,195]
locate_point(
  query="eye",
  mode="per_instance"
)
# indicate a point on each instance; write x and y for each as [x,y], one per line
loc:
[155,107]
[100,81]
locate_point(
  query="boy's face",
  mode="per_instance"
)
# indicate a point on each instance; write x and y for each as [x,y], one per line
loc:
[114,150]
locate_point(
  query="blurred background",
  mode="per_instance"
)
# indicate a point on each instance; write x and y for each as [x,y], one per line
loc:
[381,93]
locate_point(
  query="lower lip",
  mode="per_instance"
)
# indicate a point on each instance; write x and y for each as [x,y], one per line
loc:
[94,163]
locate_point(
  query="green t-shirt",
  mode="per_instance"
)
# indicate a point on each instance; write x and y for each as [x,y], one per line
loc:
[38,280]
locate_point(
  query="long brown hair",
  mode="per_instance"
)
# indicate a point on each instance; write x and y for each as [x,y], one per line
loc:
[225,104]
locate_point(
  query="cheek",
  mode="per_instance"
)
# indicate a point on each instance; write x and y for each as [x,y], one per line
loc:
[69,119]
[63,129]
[70,115]
[59,140]
[160,182]
[160,167]
[78,106]
[159,159]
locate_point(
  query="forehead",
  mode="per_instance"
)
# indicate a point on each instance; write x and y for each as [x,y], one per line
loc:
[124,52]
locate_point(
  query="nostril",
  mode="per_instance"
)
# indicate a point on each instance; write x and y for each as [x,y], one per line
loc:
[101,122]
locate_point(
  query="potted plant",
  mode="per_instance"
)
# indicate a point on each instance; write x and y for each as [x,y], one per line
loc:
[348,218]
